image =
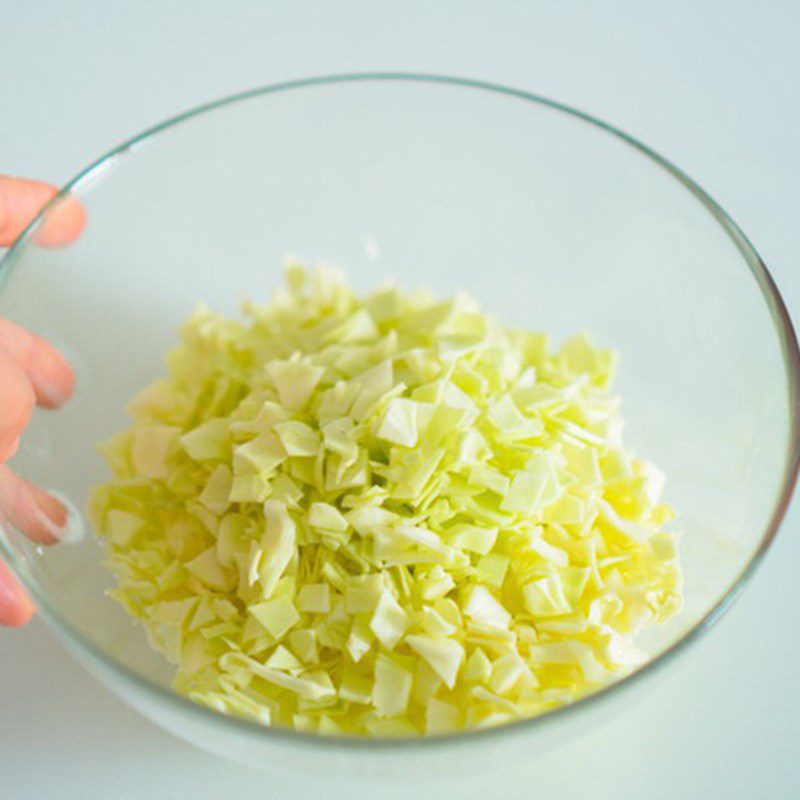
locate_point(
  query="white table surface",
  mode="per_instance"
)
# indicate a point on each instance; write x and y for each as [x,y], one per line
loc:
[713,85]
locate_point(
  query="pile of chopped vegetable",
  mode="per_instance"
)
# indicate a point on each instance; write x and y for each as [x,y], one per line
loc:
[385,515]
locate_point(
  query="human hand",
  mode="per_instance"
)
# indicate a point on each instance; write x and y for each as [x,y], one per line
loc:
[32,373]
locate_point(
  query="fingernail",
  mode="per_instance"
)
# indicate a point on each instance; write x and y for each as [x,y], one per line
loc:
[51,393]
[68,532]
[52,376]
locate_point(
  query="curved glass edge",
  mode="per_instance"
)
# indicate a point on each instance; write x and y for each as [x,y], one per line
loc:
[772,297]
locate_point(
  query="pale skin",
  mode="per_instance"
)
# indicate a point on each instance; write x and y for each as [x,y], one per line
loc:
[32,373]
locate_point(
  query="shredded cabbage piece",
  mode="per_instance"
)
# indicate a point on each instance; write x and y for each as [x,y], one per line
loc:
[384,515]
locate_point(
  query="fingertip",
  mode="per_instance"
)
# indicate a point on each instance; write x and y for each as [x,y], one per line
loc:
[5,220]
[47,370]
[48,515]
[17,401]
[52,377]
[40,516]
[9,445]
[22,199]
[16,608]
[64,224]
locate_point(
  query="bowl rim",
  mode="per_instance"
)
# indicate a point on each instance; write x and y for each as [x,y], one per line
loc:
[764,280]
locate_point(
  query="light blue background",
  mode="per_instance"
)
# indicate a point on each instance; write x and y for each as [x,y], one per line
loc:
[714,86]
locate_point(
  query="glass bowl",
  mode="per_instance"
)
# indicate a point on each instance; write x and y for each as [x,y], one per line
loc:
[552,219]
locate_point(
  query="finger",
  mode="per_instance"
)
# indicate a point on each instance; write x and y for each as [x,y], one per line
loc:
[37,514]
[46,369]
[16,607]
[21,200]
[17,400]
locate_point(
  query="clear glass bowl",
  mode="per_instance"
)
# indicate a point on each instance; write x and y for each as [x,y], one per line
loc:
[552,219]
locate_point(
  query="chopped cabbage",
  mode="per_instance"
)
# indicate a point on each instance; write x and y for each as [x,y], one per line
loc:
[384,516]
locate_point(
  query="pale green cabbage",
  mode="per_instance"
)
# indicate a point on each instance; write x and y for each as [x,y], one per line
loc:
[386,515]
